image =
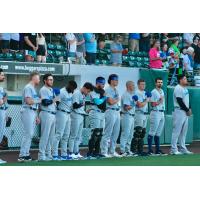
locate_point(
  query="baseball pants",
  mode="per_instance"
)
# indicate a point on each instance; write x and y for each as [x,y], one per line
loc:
[140,120]
[2,123]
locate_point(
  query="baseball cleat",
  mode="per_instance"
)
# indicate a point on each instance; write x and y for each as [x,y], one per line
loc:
[123,154]
[21,159]
[56,158]
[176,153]
[2,161]
[90,158]
[186,152]
[160,153]
[48,158]
[79,156]
[74,156]
[150,153]
[115,154]
[106,156]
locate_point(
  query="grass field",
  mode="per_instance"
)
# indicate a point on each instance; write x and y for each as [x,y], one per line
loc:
[182,160]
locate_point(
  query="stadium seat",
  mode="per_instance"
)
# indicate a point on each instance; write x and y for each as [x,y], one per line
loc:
[60,47]
[2,56]
[51,46]
[8,56]
[50,59]
[58,53]
[132,58]
[19,57]
[133,63]
[104,62]
[132,53]
[125,58]
[52,53]
[146,59]
[97,62]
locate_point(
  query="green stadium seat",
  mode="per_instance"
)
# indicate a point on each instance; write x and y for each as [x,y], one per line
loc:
[139,64]
[146,59]
[58,53]
[60,47]
[139,59]
[19,57]
[8,56]
[97,62]
[140,54]
[133,63]
[50,59]
[125,58]
[51,46]
[105,62]
[2,56]
[132,53]
[51,52]
[132,58]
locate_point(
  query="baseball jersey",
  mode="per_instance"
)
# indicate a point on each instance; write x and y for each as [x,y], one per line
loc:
[47,93]
[29,91]
[79,98]
[65,100]
[183,93]
[2,95]
[112,93]
[141,98]
[126,99]
[156,95]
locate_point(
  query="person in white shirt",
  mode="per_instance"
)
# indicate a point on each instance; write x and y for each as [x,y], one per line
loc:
[180,117]
[14,42]
[188,39]
[187,65]
[42,48]
[71,44]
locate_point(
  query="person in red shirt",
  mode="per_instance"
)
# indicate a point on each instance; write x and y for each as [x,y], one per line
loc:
[154,55]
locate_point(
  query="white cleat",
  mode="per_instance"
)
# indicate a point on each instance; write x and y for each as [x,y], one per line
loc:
[74,156]
[116,155]
[176,153]
[79,156]
[2,161]
[186,152]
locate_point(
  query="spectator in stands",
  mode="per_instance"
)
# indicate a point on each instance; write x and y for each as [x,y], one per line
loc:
[196,38]
[175,49]
[197,56]
[171,37]
[21,42]
[5,42]
[91,47]
[164,55]
[80,52]
[134,41]
[187,64]
[30,46]
[71,44]
[164,37]
[14,42]
[154,55]
[42,48]
[116,51]
[144,43]
[188,39]
[101,40]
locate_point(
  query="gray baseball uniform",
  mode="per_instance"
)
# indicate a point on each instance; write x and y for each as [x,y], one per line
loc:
[157,118]
[3,109]
[77,118]
[180,119]
[127,122]
[48,121]
[140,113]
[63,123]
[112,123]
[28,117]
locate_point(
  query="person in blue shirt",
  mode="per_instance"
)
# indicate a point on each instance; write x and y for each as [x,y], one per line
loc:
[91,47]
[134,41]
[116,51]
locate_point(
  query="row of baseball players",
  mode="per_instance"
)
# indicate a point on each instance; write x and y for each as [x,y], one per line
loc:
[62,115]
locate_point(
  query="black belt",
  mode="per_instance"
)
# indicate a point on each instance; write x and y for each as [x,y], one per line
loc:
[144,113]
[1,108]
[31,108]
[64,111]
[129,114]
[159,110]
[101,111]
[116,109]
[53,113]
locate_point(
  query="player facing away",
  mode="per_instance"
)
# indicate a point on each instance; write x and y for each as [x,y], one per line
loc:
[29,115]
[180,117]
[3,108]
[96,118]
[63,122]
[157,118]
[47,118]
[112,119]
[77,118]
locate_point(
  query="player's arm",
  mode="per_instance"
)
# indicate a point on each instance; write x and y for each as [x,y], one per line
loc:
[45,101]
[182,104]
[112,101]
[127,107]
[76,102]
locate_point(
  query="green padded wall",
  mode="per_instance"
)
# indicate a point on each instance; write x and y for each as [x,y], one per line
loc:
[168,129]
[194,103]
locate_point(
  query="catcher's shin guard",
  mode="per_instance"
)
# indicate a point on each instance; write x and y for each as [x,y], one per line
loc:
[93,140]
[97,144]
[136,138]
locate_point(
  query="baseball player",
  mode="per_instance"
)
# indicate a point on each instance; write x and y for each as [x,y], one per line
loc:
[112,119]
[180,117]
[157,118]
[77,117]
[63,121]
[97,117]
[3,108]
[47,118]
[30,103]
[141,112]
[128,103]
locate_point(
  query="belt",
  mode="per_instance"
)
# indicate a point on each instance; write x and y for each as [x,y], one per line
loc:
[144,113]
[129,114]
[158,110]
[1,108]
[51,112]
[80,113]
[64,111]
[116,109]
[101,111]
[31,108]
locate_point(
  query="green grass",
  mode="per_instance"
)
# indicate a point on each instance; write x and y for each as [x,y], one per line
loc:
[182,160]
